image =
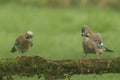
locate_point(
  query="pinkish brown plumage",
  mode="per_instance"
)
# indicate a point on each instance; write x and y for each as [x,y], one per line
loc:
[23,42]
[92,43]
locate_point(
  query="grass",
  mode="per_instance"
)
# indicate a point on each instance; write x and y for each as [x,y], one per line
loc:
[57,32]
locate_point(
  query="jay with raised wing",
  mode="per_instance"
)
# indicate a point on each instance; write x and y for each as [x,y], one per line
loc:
[92,43]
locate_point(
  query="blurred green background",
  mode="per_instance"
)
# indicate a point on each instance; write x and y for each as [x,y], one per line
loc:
[57,28]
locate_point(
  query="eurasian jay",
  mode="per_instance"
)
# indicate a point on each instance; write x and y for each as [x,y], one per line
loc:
[92,43]
[23,42]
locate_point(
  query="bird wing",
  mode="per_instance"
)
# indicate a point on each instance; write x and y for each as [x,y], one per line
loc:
[97,37]
[19,40]
[14,49]
[16,43]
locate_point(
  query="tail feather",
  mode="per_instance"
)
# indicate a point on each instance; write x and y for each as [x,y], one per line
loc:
[108,50]
[13,49]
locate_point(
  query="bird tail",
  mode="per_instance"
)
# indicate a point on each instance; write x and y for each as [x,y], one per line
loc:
[13,49]
[108,50]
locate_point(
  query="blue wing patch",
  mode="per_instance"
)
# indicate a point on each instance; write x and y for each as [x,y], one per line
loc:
[100,45]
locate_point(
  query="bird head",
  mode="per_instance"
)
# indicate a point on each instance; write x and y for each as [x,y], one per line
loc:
[86,31]
[29,34]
